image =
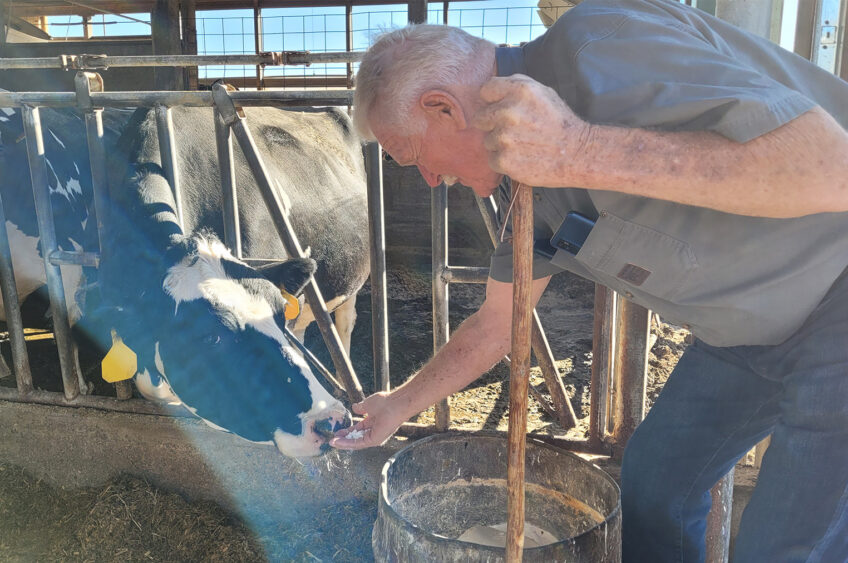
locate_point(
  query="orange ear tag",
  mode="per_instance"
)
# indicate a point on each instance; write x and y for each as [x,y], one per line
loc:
[292,305]
[120,363]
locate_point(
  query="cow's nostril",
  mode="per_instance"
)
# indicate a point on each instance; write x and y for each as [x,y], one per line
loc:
[344,422]
[324,428]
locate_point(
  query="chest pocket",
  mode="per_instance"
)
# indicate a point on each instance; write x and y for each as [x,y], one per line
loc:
[636,256]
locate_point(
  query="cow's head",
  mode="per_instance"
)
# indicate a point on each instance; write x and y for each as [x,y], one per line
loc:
[220,345]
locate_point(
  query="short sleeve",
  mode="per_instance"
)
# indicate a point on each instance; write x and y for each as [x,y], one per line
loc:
[653,72]
[500,265]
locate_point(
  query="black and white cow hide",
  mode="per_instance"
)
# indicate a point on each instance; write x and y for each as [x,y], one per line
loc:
[206,327]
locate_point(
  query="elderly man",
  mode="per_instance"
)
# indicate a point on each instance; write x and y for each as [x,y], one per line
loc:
[706,173]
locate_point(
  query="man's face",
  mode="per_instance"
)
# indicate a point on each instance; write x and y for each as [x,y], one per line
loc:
[442,153]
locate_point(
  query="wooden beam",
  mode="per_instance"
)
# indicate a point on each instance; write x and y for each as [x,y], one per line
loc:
[165,27]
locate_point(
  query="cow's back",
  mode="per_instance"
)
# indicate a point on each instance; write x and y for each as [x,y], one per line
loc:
[316,163]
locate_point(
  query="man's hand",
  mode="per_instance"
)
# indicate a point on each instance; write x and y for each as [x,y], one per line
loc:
[380,422]
[533,136]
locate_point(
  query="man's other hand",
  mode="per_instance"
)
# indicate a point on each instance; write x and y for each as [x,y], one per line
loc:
[532,135]
[380,422]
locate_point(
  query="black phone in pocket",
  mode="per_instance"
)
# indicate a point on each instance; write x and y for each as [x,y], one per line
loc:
[572,232]
[570,235]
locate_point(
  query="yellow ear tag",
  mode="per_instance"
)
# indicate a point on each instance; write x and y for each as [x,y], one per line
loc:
[292,305]
[120,363]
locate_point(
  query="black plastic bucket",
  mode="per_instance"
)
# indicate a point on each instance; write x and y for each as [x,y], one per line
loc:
[439,487]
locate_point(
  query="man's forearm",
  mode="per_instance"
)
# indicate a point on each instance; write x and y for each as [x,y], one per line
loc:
[791,171]
[477,345]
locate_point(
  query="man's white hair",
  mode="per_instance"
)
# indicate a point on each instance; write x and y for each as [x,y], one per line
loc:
[404,63]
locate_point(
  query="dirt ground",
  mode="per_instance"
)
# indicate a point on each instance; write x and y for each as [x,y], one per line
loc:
[130,520]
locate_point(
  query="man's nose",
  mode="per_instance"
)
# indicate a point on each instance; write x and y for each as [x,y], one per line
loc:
[432,180]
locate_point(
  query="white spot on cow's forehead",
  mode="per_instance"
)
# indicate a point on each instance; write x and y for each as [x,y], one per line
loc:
[205,278]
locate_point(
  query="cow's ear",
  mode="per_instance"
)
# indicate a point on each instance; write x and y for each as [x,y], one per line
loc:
[291,275]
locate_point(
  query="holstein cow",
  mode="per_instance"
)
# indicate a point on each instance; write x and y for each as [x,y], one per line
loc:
[205,326]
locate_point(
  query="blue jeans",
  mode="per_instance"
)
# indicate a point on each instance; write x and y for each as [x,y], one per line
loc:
[717,404]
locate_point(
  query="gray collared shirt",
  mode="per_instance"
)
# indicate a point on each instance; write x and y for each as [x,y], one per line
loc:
[657,64]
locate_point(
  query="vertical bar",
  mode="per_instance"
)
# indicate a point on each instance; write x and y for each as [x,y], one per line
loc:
[565,412]
[229,197]
[842,70]
[9,290]
[377,232]
[86,27]
[188,12]
[257,36]
[445,6]
[165,33]
[441,322]
[168,154]
[47,234]
[349,41]
[86,82]
[630,365]
[284,228]
[603,343]
[719,520]
[805,28]
[417,11]
[519,377]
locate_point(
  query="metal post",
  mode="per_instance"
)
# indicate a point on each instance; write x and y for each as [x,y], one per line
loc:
[441,321]
[519,377]
[86,27]
[417,11]
[235,118]
[47,234]
[257,43]
[229,197]
[377,231]
[168,154]
[188,12]
[719,521]
[9,289]
[349,40]
[603,344]
[85,82]
[752,15]
[165,32]
[630,364]
[805,28]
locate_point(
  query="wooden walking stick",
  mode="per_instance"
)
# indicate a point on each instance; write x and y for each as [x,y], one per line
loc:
[519,378]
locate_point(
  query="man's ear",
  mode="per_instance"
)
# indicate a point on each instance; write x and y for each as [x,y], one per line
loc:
[291,275]
[443,106]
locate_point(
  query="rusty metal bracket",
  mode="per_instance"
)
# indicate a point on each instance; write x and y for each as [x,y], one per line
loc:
[85,83]
[225,106]
[290,58]
[83,62]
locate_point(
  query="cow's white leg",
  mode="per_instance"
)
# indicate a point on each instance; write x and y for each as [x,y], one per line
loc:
[345,318]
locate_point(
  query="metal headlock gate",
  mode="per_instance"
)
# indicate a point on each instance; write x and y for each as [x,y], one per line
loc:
[617,393]
[90,99]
